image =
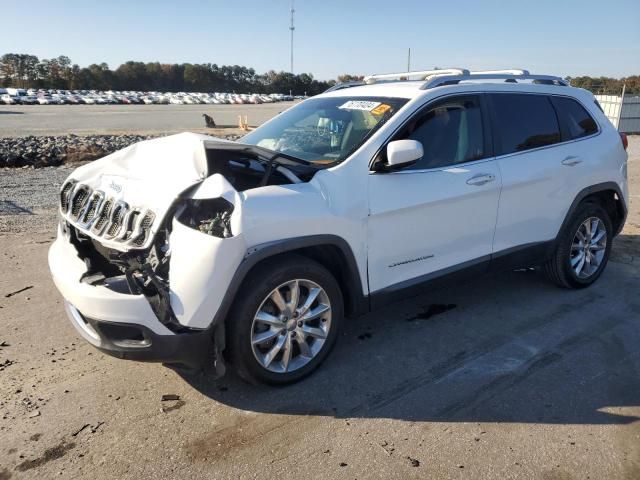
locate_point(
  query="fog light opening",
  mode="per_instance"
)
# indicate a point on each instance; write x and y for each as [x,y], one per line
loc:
[81,322]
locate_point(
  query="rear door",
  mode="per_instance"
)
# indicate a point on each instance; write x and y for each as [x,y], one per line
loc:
[582,156]
[536,184]
[440,213]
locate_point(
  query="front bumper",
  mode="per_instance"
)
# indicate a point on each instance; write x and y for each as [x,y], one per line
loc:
[119,324]
[135,342]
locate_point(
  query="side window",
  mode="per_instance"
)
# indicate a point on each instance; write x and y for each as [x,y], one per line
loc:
[524,121]
[574,118]
[450,132]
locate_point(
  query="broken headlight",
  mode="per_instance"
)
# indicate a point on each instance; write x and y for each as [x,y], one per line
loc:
[211,216]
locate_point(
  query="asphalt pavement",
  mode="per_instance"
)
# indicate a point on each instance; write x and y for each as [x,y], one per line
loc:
[22,120]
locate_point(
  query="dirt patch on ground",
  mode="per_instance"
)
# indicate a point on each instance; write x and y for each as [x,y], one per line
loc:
[50,454]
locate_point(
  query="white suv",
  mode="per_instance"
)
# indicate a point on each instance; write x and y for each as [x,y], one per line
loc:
[180,248]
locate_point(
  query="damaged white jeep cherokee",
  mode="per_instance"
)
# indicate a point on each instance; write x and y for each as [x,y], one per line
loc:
[181,248]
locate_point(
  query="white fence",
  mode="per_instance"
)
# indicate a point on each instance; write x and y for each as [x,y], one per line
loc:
[612,106]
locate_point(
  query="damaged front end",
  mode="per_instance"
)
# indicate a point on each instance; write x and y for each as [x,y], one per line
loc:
[175,243]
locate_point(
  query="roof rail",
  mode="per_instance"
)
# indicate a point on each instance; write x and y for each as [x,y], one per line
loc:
[515,71]
[452,76]
[416,75]
[343,85]
[441,80]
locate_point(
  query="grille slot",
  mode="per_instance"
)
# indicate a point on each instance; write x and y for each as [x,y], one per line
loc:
[103,217]
[117,218]
[65,193]
[129,225]
[91,211]
[88,213]
[78,199]
[145,228]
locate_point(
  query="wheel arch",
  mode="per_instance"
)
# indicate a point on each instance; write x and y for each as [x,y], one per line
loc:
[331,251]
[609,196]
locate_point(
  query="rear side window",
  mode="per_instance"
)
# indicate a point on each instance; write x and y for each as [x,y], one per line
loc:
[575,120]
[524,121]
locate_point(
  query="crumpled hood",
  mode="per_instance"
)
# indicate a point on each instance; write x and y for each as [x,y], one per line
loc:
[149,175]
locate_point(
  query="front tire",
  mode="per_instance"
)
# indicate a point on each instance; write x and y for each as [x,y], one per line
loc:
[583,248]
[285,320]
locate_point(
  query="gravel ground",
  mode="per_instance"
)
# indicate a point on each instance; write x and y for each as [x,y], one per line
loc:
[514,379]
[28,198]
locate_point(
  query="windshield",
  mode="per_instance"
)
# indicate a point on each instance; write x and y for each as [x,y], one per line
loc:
[325,130]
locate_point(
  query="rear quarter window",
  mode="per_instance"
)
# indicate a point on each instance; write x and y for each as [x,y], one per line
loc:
[524,122]
[574,118]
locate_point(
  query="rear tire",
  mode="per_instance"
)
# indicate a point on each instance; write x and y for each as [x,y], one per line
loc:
[285,321]
[583,248]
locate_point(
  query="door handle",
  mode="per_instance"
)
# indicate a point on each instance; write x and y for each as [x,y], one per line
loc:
[571,161]
[481,179]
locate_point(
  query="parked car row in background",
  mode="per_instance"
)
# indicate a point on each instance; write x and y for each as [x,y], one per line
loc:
[14,96]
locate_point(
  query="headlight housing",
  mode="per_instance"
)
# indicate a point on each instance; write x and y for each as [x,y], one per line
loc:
[211,216]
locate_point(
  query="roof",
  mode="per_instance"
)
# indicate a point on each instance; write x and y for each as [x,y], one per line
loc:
[411,90]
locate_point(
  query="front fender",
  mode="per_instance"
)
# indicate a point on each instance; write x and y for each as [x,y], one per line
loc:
[200,270]
[202,266]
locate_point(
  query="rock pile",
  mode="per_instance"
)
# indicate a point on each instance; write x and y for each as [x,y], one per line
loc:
[52,151]
[56,150]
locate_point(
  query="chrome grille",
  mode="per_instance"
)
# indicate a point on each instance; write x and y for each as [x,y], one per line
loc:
[105,217]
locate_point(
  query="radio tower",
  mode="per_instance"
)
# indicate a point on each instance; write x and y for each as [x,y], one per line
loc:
[292,28]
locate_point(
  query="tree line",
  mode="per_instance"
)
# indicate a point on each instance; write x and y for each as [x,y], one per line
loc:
[607,85]
[28,71]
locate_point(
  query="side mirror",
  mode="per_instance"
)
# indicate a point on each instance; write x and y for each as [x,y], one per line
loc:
[401,153]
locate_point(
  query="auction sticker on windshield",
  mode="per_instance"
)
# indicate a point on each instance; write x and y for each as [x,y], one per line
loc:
[381,109]
[359,105]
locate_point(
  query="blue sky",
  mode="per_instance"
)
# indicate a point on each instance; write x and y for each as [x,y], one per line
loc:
[563,37]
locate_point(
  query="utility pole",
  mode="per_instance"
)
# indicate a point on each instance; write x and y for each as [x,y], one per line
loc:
[409,60]
[292,28]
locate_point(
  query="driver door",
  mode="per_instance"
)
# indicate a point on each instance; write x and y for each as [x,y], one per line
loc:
[438,215]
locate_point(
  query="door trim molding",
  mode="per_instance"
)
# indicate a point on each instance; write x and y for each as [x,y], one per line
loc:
[522,256]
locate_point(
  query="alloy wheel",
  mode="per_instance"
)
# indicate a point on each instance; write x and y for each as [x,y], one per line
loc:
[588,247]
[291,326]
